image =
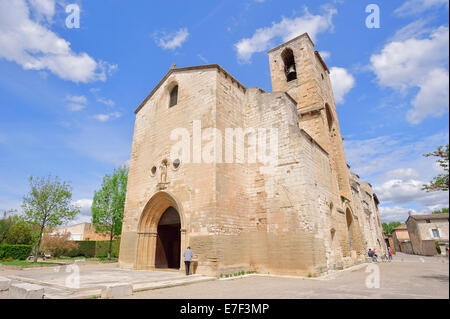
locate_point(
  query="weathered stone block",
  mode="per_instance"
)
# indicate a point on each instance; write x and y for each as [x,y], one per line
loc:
[117,290]
[26,291]
[4,283]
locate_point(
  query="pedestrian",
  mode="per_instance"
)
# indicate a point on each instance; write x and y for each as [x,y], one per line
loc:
[390,253]
[187,259]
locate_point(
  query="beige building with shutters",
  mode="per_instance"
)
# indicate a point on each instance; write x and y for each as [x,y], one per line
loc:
[301,213]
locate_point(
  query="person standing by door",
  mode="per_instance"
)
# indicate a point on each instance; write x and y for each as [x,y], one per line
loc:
[187,259]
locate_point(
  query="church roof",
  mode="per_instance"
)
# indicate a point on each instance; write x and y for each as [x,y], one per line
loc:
[189,68]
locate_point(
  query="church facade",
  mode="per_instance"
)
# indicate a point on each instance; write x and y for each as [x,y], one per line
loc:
[299,211]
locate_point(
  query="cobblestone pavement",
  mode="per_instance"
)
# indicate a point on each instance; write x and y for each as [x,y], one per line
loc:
[406,277]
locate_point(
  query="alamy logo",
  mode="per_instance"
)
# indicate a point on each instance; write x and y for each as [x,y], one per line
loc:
[373,279]
[73,19]
[373,19]
[234,145]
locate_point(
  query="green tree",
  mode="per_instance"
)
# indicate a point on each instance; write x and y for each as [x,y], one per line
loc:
[108,205]
[47,205]
[442,211]
[387,228]
[8,220]
[21,233]
[439,182]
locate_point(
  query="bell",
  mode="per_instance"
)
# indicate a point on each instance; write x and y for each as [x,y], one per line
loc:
[291,73]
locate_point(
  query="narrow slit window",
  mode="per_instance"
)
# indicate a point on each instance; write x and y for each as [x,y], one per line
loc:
[173,96]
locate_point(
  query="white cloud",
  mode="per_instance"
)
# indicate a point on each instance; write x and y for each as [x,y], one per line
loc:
[85,215]
[173,40]
[201,57]
[100,99]
[43,9]
[395,213]
[107,117]
[411,7]
[408,169]
[84,205]
[432,99]
[369,158]
[417,64]
[402,191]
[403,173]
[342,82]
[34,46]
[77,99]
[415,29]
[325,54]
[77,103]
[285,30]
[75,107]
[105,101]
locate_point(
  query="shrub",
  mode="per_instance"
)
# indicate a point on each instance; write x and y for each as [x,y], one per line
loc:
[102,247]
[86,248]
[438,248]
[21,233]
[58,245]
[17,252]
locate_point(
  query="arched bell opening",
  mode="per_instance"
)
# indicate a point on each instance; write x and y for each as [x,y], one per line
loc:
[289,64]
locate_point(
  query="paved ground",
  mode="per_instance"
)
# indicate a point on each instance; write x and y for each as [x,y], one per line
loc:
[406,277]
[92,275]
[81,280]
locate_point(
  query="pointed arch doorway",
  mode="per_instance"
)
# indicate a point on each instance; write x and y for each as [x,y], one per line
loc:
[161,234]
[168,240]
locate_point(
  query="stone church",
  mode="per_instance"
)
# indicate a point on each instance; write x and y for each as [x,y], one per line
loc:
[306,215]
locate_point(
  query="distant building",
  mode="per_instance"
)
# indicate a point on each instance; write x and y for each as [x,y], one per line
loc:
[425,230]
[400,238]
[83,231]
[390,243]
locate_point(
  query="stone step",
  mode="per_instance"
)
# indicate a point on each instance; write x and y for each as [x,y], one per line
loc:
[171,283]
[117,290]
[4,283]
[26,291]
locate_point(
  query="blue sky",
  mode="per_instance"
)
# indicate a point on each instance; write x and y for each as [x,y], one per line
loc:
[67,95]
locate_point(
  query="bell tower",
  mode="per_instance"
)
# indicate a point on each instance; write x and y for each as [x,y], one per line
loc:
[297,69]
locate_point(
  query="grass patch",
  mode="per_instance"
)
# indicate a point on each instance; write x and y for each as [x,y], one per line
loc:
[24,263]
[102,260]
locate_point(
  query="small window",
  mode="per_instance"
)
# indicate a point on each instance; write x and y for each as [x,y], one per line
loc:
[329,117]
[173,96]
[435,233]
[153,170]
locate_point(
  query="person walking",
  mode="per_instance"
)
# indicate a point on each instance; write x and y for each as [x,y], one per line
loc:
[390,253]
[187,259]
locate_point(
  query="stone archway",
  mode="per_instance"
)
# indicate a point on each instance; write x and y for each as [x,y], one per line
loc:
[161,233]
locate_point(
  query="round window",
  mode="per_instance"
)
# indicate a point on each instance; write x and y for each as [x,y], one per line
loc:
[176,163]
